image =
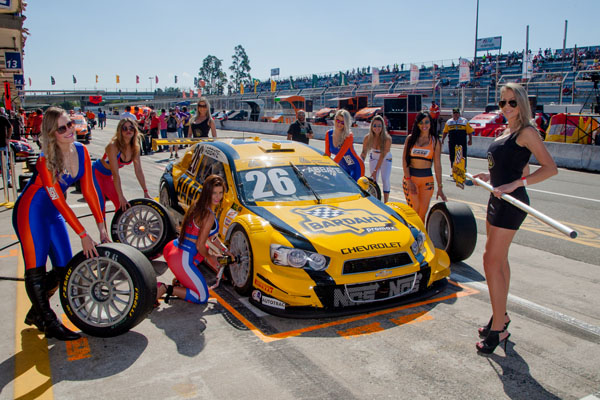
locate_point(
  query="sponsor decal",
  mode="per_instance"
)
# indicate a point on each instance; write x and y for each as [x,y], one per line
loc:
[420,152]
[236,207]
[383,273]
[229,217]
[213,152]
[490,158]
[256,295]
[372,246]
[333,220]
[271,302]
[52,193]
[352,295]
[263,286]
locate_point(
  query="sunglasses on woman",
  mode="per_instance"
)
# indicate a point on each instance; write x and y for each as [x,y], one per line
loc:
[128,128]
[62,129]
[340,121]
[201,105]
[512,103]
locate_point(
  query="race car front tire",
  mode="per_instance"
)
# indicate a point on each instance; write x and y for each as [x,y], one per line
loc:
[241,272]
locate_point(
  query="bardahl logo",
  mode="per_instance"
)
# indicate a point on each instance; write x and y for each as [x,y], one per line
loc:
[332,220]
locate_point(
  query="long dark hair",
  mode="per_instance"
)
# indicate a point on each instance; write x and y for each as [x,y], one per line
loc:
[416,132]
[201,207]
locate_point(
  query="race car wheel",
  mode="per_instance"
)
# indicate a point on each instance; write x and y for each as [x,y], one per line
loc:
[164,196]
[452,228]
[145,226]
[241,273]
[108,295]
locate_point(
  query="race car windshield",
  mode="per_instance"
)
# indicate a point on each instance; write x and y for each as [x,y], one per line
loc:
[282,183]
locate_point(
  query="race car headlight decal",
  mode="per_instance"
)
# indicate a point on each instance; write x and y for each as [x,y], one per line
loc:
[297,258]
[418,246]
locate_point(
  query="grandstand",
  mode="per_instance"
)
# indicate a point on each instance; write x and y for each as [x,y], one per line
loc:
[556,79]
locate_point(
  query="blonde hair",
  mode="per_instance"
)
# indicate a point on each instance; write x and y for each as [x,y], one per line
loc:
[200,100]
[119,140]
[347,121]
[522,104]
[54,158]
[384,136]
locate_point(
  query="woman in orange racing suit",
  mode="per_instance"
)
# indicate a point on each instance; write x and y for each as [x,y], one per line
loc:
[40,213]
[339,142]
[123,146]
[421,151]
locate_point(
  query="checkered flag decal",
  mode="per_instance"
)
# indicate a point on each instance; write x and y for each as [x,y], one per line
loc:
[325,212]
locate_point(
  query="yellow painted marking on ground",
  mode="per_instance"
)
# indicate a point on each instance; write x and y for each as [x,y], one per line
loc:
[33,379]
[412,318]
[586,235]
[361,330]
[466,291]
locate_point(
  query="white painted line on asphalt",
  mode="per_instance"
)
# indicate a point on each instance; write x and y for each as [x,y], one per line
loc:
[258,312]
[590,397]
[540,191]
[533,306]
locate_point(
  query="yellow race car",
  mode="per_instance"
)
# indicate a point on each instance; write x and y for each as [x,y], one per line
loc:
[307,238]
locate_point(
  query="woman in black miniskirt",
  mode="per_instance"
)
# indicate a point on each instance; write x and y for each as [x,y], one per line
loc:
[508,161]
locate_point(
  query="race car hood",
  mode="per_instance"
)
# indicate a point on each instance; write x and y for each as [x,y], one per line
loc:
[341,227]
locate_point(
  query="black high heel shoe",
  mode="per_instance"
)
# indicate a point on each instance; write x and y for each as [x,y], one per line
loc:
[485,330]
[489,344]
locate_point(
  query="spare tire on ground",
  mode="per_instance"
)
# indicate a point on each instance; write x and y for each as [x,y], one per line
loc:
[108,295]
[452,228]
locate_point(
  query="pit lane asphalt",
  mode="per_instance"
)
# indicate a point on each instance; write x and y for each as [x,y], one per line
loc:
[424,351]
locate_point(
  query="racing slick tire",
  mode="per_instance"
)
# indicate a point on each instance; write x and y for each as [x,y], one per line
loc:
[241,273]
[108,295]
[145,225]
[452,228]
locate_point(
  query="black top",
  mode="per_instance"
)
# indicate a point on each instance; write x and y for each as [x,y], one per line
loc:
[4,127]
[200,129]
[299,131]
[506,160]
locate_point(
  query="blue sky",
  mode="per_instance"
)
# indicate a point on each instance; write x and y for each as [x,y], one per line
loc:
[172,37]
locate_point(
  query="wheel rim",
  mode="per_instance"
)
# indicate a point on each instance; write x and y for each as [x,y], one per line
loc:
[372,190]
[140,226]
[100,292]
[438,229]
[240,271]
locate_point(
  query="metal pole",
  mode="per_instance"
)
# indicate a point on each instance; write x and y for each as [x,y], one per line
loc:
[476,26]
[12,172]
[529,210]
[4,174]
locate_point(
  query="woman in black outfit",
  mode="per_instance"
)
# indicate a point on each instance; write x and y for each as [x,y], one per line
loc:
[203,121]
[508,160]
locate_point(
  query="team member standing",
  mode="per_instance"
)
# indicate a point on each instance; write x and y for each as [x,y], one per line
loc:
[203,122]
[40,213]
[184,254]
[339,142]
[123,149]
[508,159]
[300,130]
[457,129]
[434,113]
[377,145]
[421,151]
[173,123]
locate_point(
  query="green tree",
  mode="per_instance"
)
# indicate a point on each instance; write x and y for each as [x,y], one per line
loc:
[240,68]
[212,74]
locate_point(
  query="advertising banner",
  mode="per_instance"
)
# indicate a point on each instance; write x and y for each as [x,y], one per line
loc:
[414,74]
[464,73]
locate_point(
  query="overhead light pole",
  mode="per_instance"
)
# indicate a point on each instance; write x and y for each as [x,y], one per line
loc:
[150,78]
[476,26]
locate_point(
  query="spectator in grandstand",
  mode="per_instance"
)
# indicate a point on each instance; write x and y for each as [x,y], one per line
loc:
[457,129]
[300,130]
[422,150]
[377,144]
[128,114]
[339,142]
[202,122]
[508,159]
[434,113]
